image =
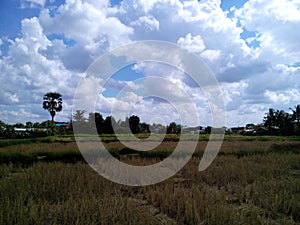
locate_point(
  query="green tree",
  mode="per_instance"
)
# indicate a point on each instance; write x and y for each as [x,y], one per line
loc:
[280,120]
[134,122]
[19,125]
[270,118]
[173,128]
[45,124]
[78,116]
[2,127]
[296,117]
[9,132]
[250,126]
[108,124]
[286,125]
[29,124]
[36,125]
[296,113]
[98,120]
[79,121]
[145,128]
[53,103]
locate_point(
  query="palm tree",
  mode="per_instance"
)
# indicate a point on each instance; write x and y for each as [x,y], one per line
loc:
[296,116]
[53,103]
[296,113]
[270,118]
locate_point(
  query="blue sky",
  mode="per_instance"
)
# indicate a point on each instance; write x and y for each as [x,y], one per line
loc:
[252,47]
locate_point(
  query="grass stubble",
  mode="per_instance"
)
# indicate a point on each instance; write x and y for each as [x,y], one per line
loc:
[250,182]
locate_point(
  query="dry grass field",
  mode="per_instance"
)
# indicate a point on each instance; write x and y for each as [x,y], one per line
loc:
[250,182]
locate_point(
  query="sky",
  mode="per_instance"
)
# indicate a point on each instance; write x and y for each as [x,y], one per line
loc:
[252,47]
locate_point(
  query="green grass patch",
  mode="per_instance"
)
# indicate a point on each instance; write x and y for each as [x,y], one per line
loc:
[49,139]
[285,148]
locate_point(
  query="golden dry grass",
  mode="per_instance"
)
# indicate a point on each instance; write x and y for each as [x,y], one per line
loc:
[253,189]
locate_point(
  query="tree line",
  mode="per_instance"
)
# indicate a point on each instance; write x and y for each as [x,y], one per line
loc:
[283,123]
[131,124]
[275,122]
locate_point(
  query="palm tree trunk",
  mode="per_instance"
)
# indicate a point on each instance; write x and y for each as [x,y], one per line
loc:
[52,124]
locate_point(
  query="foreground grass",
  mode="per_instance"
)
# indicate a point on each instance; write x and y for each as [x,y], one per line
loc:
[249,190]
[255,182]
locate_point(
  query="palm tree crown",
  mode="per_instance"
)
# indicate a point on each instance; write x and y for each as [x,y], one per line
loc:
[296,113]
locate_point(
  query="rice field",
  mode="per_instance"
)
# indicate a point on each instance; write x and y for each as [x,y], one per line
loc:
[250,182]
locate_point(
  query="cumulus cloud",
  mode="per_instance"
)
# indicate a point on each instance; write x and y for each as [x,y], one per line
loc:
[276,24]
[90,25]
[149,23]
[20,115]
[283,97]
[32,3]
[12,98]
[28,74]
[194,44]
[254,53]
[88,22]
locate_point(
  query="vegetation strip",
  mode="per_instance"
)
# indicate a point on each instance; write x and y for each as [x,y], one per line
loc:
[28,157]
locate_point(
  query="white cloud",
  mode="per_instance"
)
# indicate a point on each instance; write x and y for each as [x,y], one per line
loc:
[32,3]
[90,25]
[28,74]
[288,69]
[194,44]
[257,72]
[149,23]
[211,55]
[20,115]
[283,97]
[276,23]
[87,22]
[12,98]
[233,94]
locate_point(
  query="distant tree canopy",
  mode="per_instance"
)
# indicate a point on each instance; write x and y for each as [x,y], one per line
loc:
[134,122]
[296,116]
[109,125]
[97,119]
[283,123]
[173,128]
[275,122]
[78,116]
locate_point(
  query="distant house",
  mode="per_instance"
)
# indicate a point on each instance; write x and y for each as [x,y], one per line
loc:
[24,130]
[193,130]
[272,130]
[63,125]
[21,129]
[29,132]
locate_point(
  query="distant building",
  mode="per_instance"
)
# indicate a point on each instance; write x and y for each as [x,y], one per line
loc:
[193,130]
[63,125]
[272,130]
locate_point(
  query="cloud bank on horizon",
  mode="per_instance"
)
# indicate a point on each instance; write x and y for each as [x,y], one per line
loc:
[251,46]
